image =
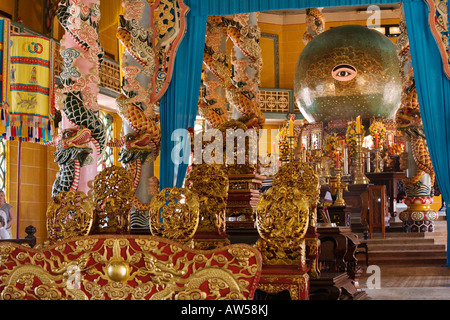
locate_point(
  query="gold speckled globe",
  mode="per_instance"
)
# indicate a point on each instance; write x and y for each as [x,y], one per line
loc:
[348,71]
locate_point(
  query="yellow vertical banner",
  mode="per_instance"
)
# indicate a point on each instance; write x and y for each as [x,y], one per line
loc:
[31,110]
[4,72]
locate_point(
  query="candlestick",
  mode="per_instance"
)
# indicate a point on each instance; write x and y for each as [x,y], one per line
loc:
[359,177]
[377,160]
[340,186]
[337,159]
[291,128]
[345,161]
[291,149]
[376,139]
[358,125]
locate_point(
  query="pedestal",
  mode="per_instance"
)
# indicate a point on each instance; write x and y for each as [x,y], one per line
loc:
[419,216]
[283,282]
[243,196]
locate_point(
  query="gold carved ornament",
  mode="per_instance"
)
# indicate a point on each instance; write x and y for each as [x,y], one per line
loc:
[210,183]
[99,267]
[69,214]
[113,188]
[285,213]
[302,176]
[239,152]
[174,214]
[282,219]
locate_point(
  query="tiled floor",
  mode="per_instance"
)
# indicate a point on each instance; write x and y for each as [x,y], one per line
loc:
[408,283]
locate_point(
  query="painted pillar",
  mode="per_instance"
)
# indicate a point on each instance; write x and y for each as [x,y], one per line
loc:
[82,132]
[246,60]
[419,182]
[216,75]
[135,106]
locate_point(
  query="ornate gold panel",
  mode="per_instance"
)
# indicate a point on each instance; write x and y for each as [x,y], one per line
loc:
[106,267]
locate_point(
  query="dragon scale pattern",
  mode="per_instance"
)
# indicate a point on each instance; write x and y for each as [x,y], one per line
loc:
[76,97]
[241,89]
[147,67]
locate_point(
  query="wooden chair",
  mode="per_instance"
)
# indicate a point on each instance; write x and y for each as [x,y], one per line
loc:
[377,209]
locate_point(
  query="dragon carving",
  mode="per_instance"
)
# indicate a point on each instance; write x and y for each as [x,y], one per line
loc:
[315,24]
[408,118]
[241,85]
[150,33]
[76,96]
[72,152]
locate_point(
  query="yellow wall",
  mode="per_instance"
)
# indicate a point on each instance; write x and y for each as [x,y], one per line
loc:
[8,7]
[38,172]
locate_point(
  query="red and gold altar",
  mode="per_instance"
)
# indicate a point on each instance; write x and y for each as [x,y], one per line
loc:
[237,225]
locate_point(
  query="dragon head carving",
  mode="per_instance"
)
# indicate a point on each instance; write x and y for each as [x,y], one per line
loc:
[137,146]
[73,145]
[408,118]
[72,152]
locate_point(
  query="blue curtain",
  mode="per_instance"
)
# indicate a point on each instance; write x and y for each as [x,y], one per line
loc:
[433,91]
[225,7]
[178,107]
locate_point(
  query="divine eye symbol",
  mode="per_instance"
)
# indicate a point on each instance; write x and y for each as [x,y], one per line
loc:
[344,72]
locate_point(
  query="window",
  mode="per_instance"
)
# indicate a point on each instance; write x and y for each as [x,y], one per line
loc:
[108,156]
[390,30]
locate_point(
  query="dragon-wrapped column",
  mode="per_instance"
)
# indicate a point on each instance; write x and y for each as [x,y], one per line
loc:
[420,176]
[82,138]
[150,32]
[140,143]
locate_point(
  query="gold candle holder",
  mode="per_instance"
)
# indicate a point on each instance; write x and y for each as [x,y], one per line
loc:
[360,177]
[377,159]
[340,186]
[291,148]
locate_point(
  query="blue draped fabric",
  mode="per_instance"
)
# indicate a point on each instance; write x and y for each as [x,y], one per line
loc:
[226,7]
[179,105]
[433,91]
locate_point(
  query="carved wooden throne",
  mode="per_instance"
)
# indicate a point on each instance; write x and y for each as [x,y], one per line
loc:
[113,265]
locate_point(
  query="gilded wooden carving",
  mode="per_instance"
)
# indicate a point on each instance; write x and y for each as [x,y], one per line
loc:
[210,183]
[69,214]
[112,194]
[104,267]
[174,214]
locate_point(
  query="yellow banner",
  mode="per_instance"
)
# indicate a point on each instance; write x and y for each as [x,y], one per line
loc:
[31,86]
